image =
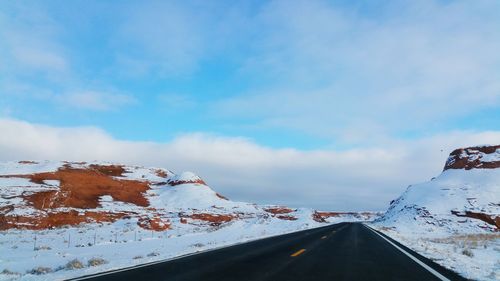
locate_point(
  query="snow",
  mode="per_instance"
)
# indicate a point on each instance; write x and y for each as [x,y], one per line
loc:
[123,243]
[492,157]
[422,219]
[13,168]
[186,196]
[451,250]
[186,176]
[131,244]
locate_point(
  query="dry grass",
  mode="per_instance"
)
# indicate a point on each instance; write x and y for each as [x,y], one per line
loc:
[40,270]
[8,272]
[468,253]
[74,264]
[468,238]
[96,262]
[470,241]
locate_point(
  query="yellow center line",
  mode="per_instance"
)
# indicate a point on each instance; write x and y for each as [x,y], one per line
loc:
[324,237]
[298,253]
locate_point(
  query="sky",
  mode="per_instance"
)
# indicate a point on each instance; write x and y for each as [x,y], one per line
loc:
[334,105]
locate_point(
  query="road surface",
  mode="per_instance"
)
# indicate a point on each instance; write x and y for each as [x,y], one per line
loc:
[345,251]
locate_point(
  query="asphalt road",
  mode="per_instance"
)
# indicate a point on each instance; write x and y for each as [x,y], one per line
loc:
[345,251]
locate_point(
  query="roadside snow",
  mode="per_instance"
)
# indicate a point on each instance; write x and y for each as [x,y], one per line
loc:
[473,256]
[122,244]
[422,219]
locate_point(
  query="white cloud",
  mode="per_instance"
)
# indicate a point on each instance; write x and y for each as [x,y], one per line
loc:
[161,38]
[337,69]
[95,100]
[30,42]
[355,179]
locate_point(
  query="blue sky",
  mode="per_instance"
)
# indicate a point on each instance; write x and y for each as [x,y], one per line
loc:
[307,76]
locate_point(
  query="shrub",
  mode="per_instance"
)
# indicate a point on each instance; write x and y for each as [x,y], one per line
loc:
[153,254]
[40,248]
[96,262]
[138,257]
[468,253]
[40,270]
[74,264]
[8,272]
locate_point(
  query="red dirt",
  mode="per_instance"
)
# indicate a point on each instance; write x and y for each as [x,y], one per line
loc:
[109,170]
[155,223]
[279,210]
[82,188]
[213,219]
[51,220]
[455,161]
[489,219]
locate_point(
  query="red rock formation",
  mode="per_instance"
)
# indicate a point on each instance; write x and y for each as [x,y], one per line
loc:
[287,217]
[212,219]
[279,210]
[155,223]
[490,219]
[82,188]
[109,170]
[79,188]
[472,158]
[50,220]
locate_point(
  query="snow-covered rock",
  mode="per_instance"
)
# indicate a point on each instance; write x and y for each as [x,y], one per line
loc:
[54,212]
[465,197]
[455,217]
[478,157]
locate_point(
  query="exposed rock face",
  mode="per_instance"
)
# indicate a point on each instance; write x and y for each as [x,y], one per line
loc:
[478,157]
[279,210]
[212,219]
[49,220]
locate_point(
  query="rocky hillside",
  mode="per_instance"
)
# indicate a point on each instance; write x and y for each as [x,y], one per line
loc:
[454,218]
[465,196]
[478,157]
[64,219]
[44,195]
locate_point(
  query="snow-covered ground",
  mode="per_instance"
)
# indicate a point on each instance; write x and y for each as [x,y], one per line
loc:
[453,219]
[474,256]
[122,244]
[41,201]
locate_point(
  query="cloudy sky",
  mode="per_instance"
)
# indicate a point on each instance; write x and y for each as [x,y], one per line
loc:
[326,104]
